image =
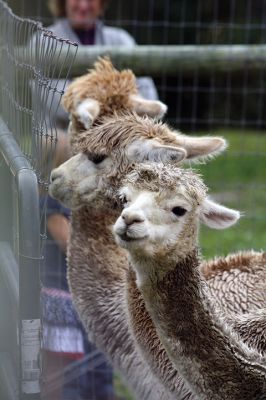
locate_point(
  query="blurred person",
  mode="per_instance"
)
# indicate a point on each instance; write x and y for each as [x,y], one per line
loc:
[80,21]
[72,367]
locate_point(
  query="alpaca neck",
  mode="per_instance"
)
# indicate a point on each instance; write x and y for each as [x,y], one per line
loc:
[87,219]
[92,241]
[150,345]
[97,276]
[204,351]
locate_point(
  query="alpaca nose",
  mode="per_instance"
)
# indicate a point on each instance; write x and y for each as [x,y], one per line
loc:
[132,217]
[54,175]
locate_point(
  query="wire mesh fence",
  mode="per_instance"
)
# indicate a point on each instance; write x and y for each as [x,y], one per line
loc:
[30,93]
[31,89]
[228,102]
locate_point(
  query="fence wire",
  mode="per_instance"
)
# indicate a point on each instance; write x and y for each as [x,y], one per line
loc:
[228,103]
[31,89]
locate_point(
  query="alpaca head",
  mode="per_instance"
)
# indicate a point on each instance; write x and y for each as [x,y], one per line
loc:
[163,208]
[110,150]
[105,90]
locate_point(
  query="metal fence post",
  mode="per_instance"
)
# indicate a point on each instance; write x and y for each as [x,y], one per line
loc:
[29,276]
[29,264]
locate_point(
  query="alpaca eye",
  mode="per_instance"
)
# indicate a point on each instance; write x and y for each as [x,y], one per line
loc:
[96,158]
[179,211]
[123,200]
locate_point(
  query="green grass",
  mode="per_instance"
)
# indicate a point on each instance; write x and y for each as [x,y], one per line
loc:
[238,179]
[243,162]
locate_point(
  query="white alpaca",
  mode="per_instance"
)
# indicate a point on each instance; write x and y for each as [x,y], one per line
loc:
[159,228]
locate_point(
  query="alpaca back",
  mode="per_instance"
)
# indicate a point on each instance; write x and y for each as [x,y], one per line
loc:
[237,282]
[250,327]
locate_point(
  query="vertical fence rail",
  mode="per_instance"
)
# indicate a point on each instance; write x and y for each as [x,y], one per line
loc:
[23,283]
[30,93]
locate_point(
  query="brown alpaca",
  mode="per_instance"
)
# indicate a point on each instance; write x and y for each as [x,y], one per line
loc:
[101,92]
[73,180]
[159,228]
[97,267]
[68,182]
[226,278]
[252,331]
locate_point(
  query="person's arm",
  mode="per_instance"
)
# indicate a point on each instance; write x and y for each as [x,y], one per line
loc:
[59,229]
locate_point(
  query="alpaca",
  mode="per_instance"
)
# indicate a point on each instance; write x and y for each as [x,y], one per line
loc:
[95,85]
[73,184]
[110,148]
[97,267]
[105,92]
[251,327]
[102,92]
[159,229]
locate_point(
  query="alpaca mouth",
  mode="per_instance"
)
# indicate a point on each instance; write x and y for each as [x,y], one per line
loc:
[126,238]
[57,192]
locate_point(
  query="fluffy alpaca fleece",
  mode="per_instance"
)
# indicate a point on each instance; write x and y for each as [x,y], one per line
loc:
[213,361]
[97,277]
[87,252]
[249,323]
[89,257]
[101,92]
[227,277]
[104,90]
[96,273]
[105,84]
[238,280]
[251,327]
[111,149]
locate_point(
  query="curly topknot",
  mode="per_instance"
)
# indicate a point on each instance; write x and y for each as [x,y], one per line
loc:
[104,83]
[155,177]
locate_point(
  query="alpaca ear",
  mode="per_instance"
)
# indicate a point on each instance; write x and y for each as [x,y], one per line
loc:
[152,108]
[216,216]
[201,147]
[151,150]
[87,111]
